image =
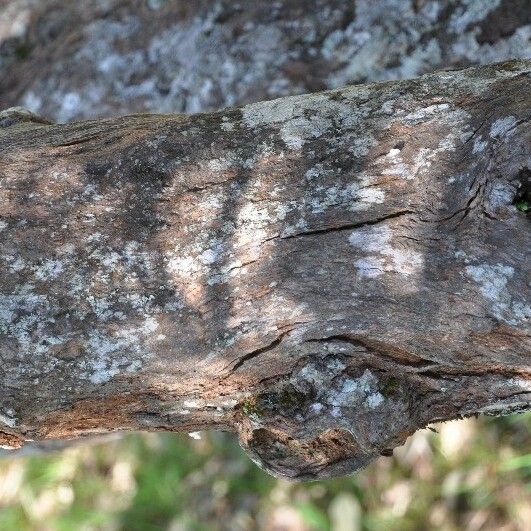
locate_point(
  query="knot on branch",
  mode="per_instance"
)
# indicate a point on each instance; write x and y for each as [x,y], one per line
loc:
[334,452]
[327,419]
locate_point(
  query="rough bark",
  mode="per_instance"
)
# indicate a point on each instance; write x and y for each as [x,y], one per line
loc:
[323,274]
[74,60]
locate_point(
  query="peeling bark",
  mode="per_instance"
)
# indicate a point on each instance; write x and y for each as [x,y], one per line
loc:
[323,274]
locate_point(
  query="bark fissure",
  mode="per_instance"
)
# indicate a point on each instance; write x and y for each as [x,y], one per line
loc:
[348,226]
[250,355]
[380,350]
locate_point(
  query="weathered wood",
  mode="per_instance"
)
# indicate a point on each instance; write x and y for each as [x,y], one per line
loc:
[324,274]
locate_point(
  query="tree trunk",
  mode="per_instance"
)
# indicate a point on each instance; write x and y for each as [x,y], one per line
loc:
[323,274]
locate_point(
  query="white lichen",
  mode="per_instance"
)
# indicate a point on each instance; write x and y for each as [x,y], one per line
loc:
[393,164]
[374,400]
[370,266]
[302,118]
[385,257]
[49,269]
[503,127]
[353,391]
[479,145]
[8,418]
[493,280]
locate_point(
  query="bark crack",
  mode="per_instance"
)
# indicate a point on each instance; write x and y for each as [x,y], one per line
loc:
[348,226]
[253,354]
[405,359]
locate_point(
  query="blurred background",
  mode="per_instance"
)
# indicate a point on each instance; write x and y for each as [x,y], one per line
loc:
[473,474]
[78,60]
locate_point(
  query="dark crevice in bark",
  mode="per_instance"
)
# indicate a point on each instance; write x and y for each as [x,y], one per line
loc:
[348,226]
[464,210]
[415,364]
[77,141]
[257,352]
[479,128]
[405,359]
[204,186]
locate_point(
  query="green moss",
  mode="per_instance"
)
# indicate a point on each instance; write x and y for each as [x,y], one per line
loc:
[389,386]
[22,51]
[291,398]
[523,206]
[251,408]
[286,399]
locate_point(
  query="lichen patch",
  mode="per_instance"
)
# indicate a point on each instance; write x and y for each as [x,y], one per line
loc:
[503,127]
[303,118]
[493,280]
[383,256]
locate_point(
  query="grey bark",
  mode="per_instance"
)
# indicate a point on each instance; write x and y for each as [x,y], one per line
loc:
[74,60]
[323,274]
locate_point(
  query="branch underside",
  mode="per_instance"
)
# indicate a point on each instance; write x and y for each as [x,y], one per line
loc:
[323,274]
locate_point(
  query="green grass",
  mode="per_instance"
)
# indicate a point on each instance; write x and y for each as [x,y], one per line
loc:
[475,471]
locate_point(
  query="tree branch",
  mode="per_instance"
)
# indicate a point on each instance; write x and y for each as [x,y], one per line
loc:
[155,275]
